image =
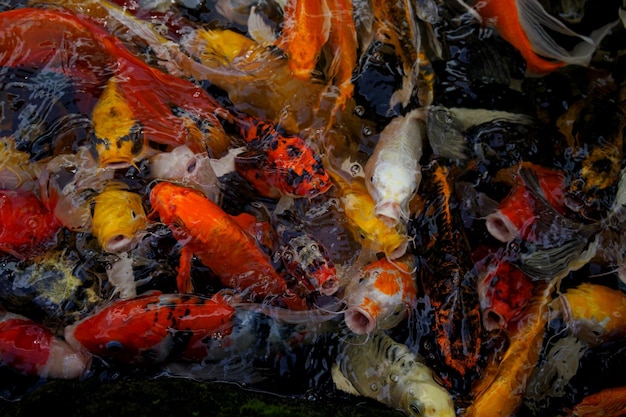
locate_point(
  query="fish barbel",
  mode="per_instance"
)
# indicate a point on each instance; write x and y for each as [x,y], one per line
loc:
[393,171]
[387,371]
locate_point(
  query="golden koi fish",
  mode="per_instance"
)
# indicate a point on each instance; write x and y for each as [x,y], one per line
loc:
[118,216]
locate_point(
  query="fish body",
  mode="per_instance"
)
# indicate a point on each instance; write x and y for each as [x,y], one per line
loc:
[309,262]
[359,207]
[152,328]
[16,171]
[393,171]
[305,30]
[381,296]
[387,371]
[33,349]
[219,242]
[27,227]
[278,164]
[118,217]
[609,402]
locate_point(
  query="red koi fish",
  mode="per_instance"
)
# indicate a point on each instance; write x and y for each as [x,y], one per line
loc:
[609,402]
[75,45]
[220,243]
[153,328]
[306,28]
[381,296]
[278,164]
[517,213]
[27,227]
[32,349]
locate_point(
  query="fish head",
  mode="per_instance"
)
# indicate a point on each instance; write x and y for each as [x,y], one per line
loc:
[307,257]
[392,187]
[426,399]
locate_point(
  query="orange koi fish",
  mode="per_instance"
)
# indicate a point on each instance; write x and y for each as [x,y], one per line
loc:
[73,44]
[220,243]
[523,24]
[32,349]
[306,28]
[153,328]
[381,296]
[500,391]
[27,227]
[609,402]
[278,164]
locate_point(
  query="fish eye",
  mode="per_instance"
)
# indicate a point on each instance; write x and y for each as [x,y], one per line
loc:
[416,408]
[114,346]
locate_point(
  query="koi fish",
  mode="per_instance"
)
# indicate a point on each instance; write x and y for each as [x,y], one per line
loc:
[33,349]
[27,227]
[359,208]
[220,243]
[387,371]
[501,388]
[609,402]
[393,171]
[448,277]
[16,170]
[305,30]
[523,24]
[151,93]
[278,164]
[308,261]
[592,312]
[118,136]
[381,296]
[118,217]
[153,328]
[193,170]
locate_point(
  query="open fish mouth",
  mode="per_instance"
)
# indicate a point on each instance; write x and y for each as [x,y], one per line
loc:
[359,321]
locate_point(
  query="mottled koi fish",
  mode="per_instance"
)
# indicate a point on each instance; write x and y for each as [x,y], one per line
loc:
[220,243]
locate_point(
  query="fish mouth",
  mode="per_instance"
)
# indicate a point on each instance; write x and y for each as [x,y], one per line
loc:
[119,243]
[501,227]
[330,286]
[359,320]
[388,212]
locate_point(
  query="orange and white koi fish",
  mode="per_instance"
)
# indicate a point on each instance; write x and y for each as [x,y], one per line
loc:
[393,171]
[30,348]
[278,164]
[153,328]
[609,402]
[359,208]
[118,217]
[381,296]
[27,227]
[525,25]
[220,243]
[305,30]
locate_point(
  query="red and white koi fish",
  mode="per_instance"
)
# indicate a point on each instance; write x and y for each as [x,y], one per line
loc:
[523,24]
[27,227]
[278,164]
[153,328]
[220,243]
[381,296]
[33,349]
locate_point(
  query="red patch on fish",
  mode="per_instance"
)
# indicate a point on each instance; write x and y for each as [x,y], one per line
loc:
[24,345]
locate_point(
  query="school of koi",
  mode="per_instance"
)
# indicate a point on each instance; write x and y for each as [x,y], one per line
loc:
[434,191]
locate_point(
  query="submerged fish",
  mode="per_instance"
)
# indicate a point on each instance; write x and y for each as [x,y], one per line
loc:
[118,217]
[393,171]
[381,295]
[609,402]
[387,371]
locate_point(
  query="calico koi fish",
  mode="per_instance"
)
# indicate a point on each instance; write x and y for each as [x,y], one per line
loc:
[609,402]
[305,30]
[501,389]
[387,371]
[118,217]
[359,207]
[393,171]
[308,261]
[27,227]
[278,164]
[594,313]
[42,36]
[153,328]
[33,349]
[220,243]
[381,296]
[523,24]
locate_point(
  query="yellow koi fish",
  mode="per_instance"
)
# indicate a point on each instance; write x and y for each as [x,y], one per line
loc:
[118,216]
